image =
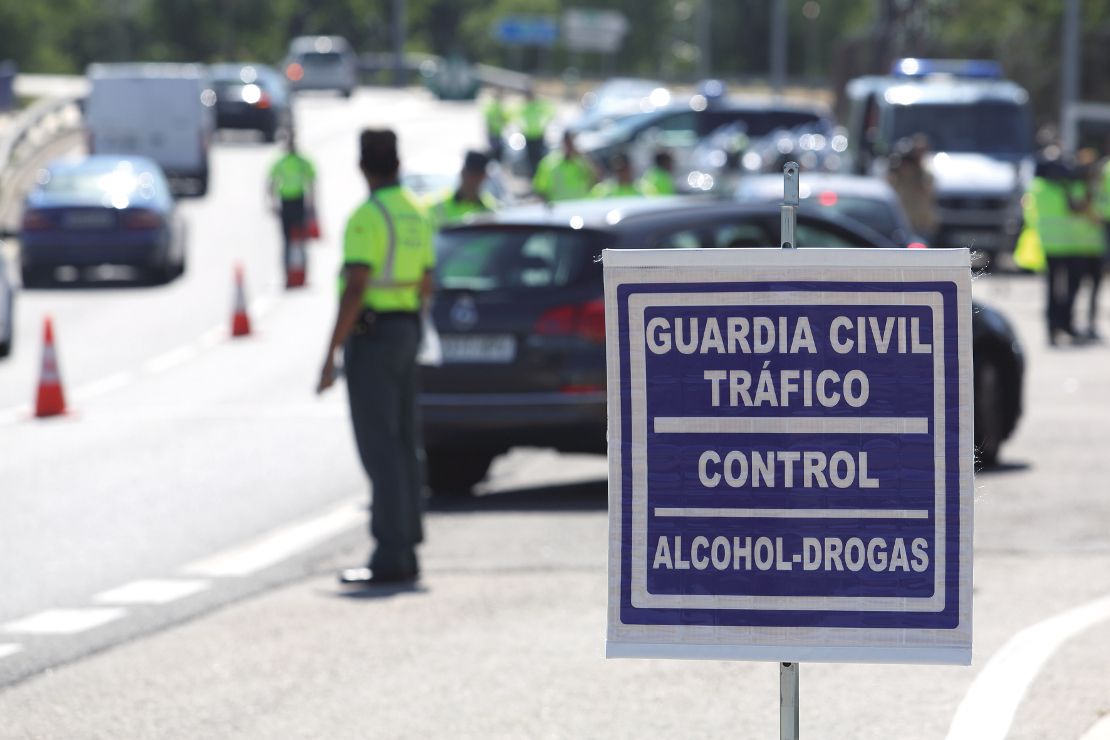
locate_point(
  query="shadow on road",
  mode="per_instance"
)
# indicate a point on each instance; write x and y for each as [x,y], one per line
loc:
[376,592]
[580,496]
[1004,467]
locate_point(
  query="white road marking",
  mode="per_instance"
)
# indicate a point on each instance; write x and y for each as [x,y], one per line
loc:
[154,591]
[14,414]
[171,359]
[280,544]
[63,621]
[1099,730]
[9,648]
[113,382]
[988,708]
[212,337]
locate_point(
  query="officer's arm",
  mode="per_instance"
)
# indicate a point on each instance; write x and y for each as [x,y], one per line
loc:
[356,278]
[426,288]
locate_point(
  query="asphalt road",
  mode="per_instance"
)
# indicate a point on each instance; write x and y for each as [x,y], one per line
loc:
[193,461]
[181,442]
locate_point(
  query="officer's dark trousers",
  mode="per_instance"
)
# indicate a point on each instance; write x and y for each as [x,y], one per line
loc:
[1063,276]
[292,217]
[381,386]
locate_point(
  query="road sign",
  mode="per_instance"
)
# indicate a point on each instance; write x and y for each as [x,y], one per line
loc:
[594,30]
[790,454]
[527,30]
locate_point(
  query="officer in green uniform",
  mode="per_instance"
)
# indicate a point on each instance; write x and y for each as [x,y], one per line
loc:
[387,262]
[621,183]
[1059,208]
[659,178]
[468,199]
[535,115]
[290,187]
[565,174]
[496,117]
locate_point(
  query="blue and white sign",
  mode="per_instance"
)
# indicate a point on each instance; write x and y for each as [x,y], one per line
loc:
[790,454]
[527,30]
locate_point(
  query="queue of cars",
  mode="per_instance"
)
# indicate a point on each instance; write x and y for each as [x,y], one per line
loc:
[521,321]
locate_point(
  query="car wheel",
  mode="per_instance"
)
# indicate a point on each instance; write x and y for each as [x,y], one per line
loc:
[270,135]
[988,411]
[454,472]
[202,184]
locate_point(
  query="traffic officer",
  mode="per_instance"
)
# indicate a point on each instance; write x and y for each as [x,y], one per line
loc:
[291,191]
[621,182]
[535,115]
[468,198]
[386,282]
[1059,208]
[659,178]
[496,117]
[564,174]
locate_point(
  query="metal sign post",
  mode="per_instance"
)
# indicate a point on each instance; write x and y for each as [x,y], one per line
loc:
[788,672]
[788,701]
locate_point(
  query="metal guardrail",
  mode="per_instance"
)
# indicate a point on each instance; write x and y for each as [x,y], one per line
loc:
[32,130]
[379,63]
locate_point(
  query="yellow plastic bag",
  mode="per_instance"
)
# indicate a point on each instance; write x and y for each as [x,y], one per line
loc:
[1029,254]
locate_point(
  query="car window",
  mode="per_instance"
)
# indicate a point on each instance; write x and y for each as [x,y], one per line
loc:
[506,259]
[742,235]
[818,236]
[321,59]
[877,214]
[677,130]
[685,239]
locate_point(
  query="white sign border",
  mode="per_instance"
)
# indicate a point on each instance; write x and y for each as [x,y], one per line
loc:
[831,644]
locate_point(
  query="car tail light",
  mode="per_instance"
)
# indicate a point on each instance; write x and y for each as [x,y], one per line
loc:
[263,101]
[35,221]
[581,388]
[585,320]
[827,198]
[916,245]
[294,72]
[142,219]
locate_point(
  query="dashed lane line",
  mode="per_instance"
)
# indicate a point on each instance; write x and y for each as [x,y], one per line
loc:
[152,591]
[1099,730]
[280,544]
[988,708]
[169,360]
[107,384]
[9,648]
[63,621]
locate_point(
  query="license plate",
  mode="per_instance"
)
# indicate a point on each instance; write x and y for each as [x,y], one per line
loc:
[88,220]
[478,348]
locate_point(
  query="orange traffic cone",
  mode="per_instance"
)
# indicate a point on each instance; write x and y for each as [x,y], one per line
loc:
[296,266]
[50,400]
[240,322]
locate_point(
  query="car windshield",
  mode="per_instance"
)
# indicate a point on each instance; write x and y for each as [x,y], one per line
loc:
[996,127]
[324,59]
[489,259]
[121,181]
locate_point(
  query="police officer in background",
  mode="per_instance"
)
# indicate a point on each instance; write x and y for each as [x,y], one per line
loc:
[1060,208]
[496,117]
[620,183]
[659,178]
[290,188]
[468,198]
[564,174]
[535,114]
[387,262]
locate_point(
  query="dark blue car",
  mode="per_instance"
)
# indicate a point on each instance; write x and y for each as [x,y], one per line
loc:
[101,210]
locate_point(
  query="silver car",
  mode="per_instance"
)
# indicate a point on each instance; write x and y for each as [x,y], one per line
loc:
[321,63]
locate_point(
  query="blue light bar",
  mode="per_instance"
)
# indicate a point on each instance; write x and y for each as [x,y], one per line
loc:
[984,69]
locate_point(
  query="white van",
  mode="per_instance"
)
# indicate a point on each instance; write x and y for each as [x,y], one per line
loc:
[156,111]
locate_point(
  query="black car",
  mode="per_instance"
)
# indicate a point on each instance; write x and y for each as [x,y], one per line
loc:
[520,315]
[250,96]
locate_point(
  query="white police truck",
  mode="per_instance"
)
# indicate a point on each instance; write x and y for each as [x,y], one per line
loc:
[980,134]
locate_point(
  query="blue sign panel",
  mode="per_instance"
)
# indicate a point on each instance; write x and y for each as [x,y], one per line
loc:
[526,31]
[790,454]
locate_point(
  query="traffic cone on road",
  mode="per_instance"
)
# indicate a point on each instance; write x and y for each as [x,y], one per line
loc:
[296,266]
[240,322]
[50,400]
